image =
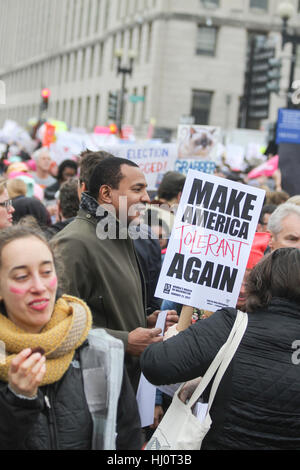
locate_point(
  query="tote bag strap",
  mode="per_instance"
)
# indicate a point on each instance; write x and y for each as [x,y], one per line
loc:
[227,358]
[209,374]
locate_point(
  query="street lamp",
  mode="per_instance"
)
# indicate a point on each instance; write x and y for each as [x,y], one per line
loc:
[286,10]
[124,70]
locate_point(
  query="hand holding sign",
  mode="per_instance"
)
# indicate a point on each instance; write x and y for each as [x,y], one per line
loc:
[171,319]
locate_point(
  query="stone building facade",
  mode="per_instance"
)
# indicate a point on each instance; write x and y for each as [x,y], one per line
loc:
[190,59]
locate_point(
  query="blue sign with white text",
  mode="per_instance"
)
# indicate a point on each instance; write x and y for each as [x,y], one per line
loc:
[183,166]
[288,126]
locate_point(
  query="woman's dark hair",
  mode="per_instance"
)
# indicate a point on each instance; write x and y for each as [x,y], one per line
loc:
[66,164]
[107,172]
[276,275]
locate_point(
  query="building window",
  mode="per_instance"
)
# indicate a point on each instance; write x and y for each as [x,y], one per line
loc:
[149,42]
[206,40]
[144,104]
[210,3]
[201,105]
[298,56]
[259,4]
[96,111]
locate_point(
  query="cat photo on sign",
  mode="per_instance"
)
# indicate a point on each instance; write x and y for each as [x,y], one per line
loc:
[197,142]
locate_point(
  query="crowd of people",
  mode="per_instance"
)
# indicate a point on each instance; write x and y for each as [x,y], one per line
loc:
[78,311]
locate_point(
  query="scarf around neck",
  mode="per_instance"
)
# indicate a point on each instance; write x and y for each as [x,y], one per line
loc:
[67,329]
[88,203]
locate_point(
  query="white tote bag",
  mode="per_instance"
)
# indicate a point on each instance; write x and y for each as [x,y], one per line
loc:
[180,429]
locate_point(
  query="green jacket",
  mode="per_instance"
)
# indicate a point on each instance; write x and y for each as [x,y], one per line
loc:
[106,275]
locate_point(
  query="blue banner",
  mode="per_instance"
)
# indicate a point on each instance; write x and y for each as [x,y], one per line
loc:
[288,126]
[183,166]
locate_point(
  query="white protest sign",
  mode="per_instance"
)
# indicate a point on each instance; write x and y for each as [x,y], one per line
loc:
[70,144]
[12,132]
[235,156]
[67,146]
[146,391]
[153,159]
[210,242]
[198,142]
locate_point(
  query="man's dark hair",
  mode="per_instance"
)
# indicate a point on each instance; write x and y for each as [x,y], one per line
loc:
[267,209]
[88,162]
[68,198]
[172,184]
[108,172]
[276,275]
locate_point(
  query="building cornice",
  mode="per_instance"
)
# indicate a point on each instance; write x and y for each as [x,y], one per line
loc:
[216,20]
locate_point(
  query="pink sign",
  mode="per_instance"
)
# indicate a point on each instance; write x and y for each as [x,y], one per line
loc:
[266,169]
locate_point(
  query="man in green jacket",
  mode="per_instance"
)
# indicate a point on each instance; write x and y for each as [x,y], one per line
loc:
[100,262]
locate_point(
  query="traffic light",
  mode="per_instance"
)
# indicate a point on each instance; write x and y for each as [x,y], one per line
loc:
[45,98]
[113,128]
[261,75]
[274,75]
[112,112]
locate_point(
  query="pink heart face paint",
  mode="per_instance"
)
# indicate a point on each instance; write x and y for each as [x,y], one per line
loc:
[17,291]
[53,282]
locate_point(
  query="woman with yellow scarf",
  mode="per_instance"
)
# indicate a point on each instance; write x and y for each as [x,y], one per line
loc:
[62,384]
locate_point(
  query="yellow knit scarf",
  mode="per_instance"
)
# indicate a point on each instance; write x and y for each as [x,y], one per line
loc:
[66,331]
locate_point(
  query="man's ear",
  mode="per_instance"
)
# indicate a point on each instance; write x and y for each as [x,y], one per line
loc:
[105,194]
[80,189]
[272,240]
[59,211]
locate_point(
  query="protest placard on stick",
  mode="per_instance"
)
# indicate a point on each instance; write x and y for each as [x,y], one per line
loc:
[185,318]
[210,243]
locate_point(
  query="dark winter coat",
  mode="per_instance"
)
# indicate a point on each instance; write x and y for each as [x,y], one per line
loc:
[257,405]
[149,255]
[106,275]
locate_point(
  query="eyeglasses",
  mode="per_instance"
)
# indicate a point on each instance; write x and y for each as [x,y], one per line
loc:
[6,204]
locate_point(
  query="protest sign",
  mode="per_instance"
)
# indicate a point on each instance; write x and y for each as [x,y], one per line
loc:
[183,166]
[146,392]
[234,157]
[198,142]
[153,159]
[288,126]
[49,135]
[210,242]
[69,145]
[265,169]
